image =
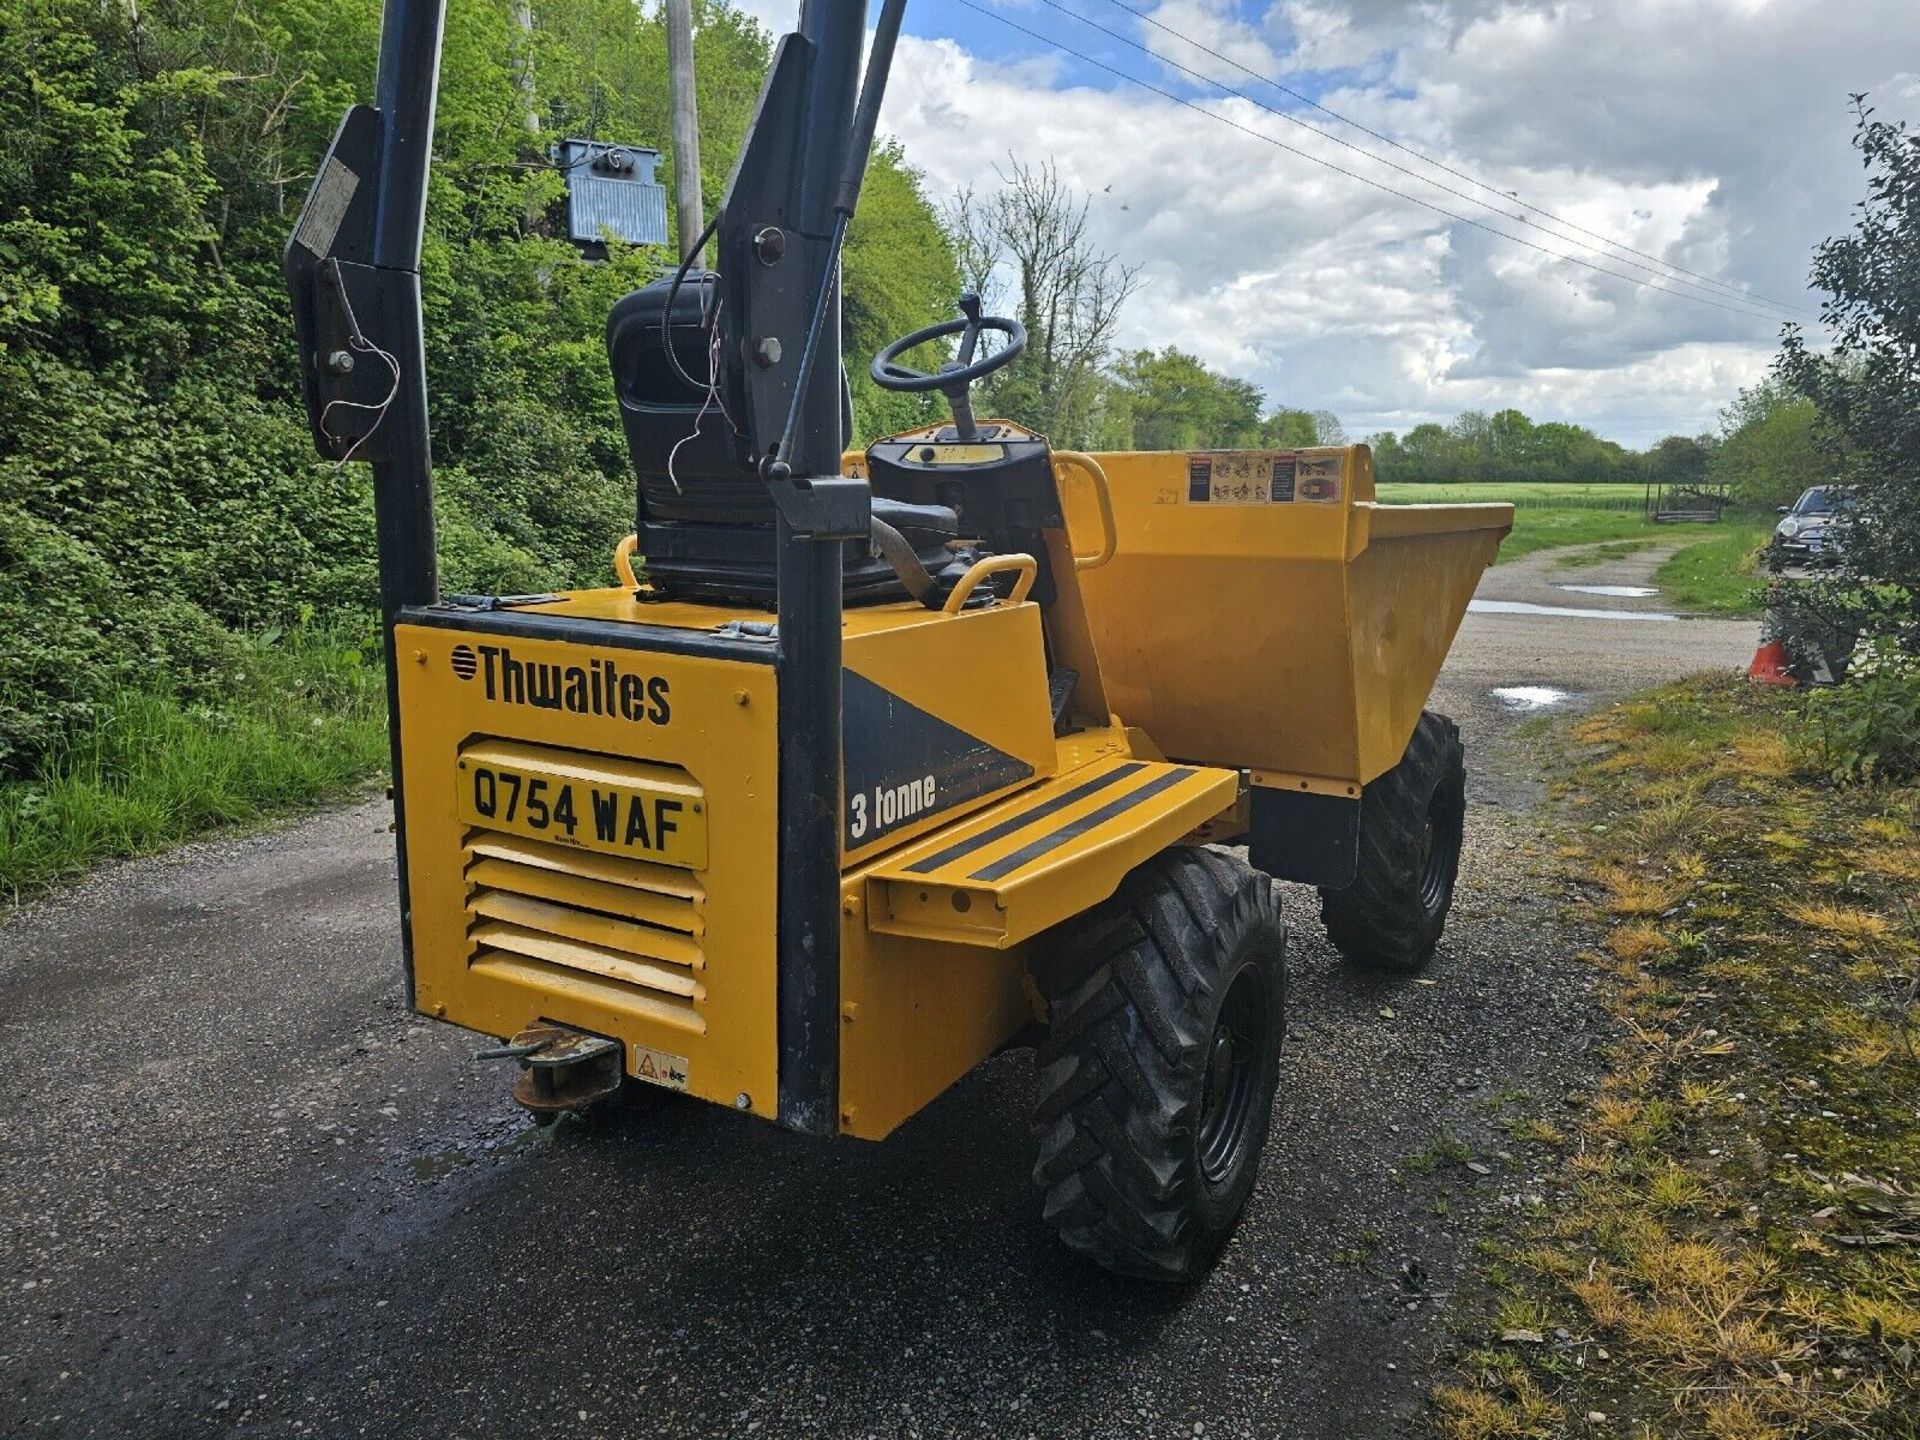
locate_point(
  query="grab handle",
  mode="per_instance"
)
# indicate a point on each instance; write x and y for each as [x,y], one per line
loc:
[623,561]
[1028,567]
[1103,497]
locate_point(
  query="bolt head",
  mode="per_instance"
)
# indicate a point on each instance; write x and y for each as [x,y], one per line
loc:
[743,1101]
[340,362]
[767,351]
[769,244]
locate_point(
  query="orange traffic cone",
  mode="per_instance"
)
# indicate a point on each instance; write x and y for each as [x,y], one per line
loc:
[1770,664]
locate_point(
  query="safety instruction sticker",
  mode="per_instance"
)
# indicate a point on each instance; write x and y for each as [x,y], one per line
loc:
[657,1067]
[1257,478]
[1318,479]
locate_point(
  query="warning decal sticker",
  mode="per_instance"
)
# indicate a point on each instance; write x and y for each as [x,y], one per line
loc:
[1265,477]
[1200,478]
[1318,479]
[657,1067]
[1284,469]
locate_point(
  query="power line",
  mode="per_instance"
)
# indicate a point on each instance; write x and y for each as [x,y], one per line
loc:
[1751,314]
[1442,165]
[1719,287]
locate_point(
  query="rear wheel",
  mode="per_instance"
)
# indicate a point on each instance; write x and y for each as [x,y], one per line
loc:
[1412,823]
[1157,1076]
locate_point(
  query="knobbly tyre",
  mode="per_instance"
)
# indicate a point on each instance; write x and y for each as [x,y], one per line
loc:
[875,763]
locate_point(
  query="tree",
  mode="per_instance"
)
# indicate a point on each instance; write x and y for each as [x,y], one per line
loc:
[1027,246]
[1681,460]
[1174,402]
[1866,392]
[1288,429]
[901,273]
[1768,451]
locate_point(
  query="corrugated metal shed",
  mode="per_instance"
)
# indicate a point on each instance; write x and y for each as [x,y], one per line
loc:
[611,190]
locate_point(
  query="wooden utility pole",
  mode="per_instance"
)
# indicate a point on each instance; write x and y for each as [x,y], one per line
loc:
[686,127]
[523,65]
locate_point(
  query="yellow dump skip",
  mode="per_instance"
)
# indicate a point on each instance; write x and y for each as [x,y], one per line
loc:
[1262,612]
[1045,854]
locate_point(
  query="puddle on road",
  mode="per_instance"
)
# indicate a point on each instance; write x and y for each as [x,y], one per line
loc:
[1520,607]
[497,1139]
[1617,592]
[1529,697]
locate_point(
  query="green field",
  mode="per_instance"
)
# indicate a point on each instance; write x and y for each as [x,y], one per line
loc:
[1711,574]
[1548,529]
[1544,495]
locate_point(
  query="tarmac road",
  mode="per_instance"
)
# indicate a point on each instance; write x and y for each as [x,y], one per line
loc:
[248,1194]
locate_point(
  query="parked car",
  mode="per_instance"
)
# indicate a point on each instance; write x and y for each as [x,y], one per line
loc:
[1805,534]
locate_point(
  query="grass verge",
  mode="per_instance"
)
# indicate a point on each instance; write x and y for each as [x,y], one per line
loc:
[306,721]
[1737,1251]
[1719,576]
[1535,530]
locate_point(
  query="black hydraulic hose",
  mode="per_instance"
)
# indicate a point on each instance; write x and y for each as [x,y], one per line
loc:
[673,293]
[897,552]
[853,173]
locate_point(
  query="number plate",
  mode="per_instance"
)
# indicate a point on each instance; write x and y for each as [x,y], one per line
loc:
[617,807]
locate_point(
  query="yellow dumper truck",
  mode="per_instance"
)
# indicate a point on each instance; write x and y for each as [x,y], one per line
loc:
[875,764]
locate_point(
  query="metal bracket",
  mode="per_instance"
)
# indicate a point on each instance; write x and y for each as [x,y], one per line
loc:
[833,507]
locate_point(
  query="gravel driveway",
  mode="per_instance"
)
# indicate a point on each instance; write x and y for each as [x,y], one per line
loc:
[248,1194]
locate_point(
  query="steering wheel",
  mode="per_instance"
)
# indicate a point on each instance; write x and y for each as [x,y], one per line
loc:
[957,374]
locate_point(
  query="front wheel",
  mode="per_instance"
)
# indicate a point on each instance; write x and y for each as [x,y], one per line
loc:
[1157,1077]
[1412,824]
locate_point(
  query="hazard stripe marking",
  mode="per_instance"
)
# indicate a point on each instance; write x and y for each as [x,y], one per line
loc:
[1074,829]
[942,858]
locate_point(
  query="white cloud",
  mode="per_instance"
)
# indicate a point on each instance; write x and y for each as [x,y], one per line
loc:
[1712,133]
[779,16]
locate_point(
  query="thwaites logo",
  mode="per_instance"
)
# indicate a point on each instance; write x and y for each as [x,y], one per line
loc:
[599,687]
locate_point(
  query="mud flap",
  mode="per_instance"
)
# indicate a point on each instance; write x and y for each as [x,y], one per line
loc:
[1308,838]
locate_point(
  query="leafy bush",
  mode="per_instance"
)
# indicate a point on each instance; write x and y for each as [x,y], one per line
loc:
[78,631]
[1869,728]
[1866,387]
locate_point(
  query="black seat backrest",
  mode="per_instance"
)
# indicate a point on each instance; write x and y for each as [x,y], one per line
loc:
[709,482]
[705,519]
[703,480]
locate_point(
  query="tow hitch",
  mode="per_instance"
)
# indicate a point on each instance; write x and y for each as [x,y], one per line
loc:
[560,1069]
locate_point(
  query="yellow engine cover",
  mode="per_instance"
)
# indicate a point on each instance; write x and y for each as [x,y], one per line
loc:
[572,810]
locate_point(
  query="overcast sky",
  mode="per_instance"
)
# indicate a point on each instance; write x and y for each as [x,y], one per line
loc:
[1711,134]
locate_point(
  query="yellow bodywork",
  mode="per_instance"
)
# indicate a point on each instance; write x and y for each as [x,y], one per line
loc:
[668,943]
[483,959]
[1296,638]
[592,831]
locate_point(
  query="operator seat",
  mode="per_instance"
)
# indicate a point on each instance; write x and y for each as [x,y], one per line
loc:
[705,520]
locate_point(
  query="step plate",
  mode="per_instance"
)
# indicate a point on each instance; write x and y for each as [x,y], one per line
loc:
[1045,854]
